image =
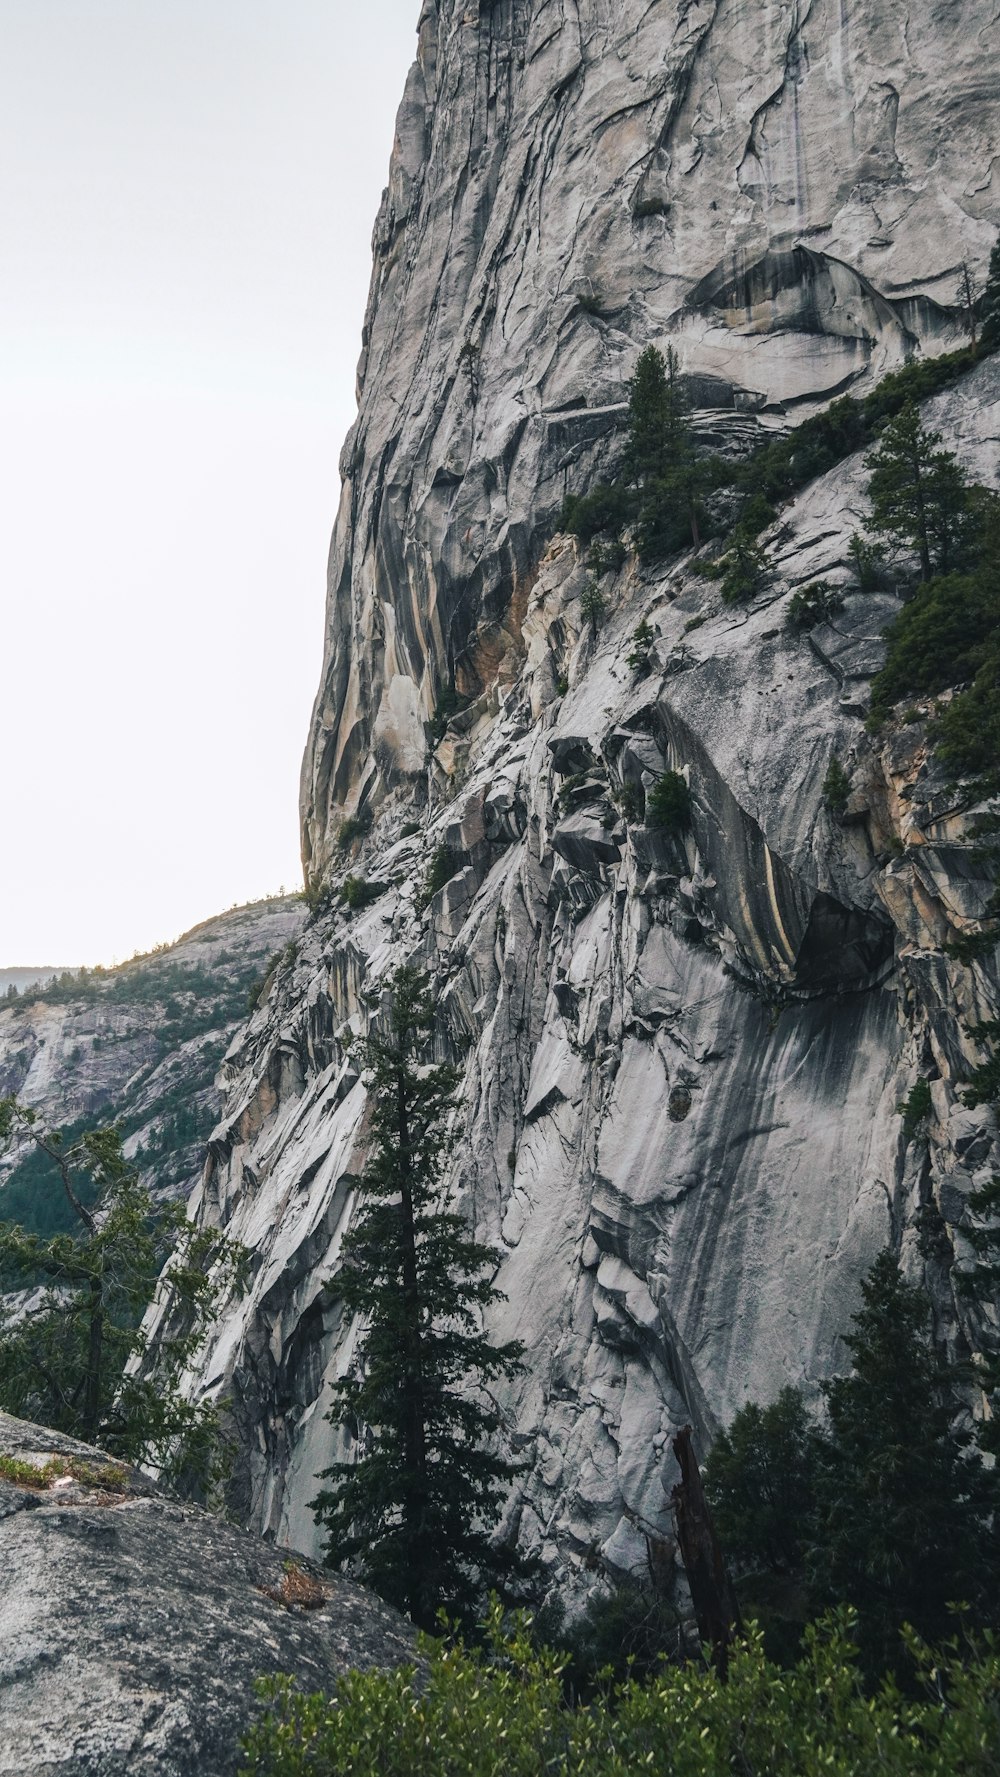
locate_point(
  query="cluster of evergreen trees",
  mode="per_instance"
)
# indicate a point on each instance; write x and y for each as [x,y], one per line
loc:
[947,634]
[671,493]
[887,1501]
[72,1347]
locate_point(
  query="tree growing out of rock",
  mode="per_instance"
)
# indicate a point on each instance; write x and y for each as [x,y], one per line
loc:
[836,786]
[989,304]
[415,1509]
[74,1353]
[668,805]
[660,457]
[918,492]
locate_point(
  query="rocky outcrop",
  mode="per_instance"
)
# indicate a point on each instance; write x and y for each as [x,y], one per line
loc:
[684,1055]
[132,1628]
[141,1043]
[782,189]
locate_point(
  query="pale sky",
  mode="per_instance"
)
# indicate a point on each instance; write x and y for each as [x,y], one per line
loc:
[187,194]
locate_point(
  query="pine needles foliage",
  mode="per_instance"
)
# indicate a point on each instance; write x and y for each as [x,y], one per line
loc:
[74,1352]
[883,1503]
[414,1507]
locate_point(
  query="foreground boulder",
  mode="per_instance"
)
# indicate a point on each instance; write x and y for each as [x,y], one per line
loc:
[132,1627]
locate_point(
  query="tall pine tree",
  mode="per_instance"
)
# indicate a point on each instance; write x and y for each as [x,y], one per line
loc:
[904,1521]
[989,305]
[918,493]
[979,1283]
[660,457]
[414,1511]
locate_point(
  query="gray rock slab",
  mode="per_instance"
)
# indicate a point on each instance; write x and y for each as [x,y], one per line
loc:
[132,1628]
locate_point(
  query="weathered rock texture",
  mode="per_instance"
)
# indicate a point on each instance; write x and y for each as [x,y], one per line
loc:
[141,1043]
[683,1058]
[782,188]
[132,1628]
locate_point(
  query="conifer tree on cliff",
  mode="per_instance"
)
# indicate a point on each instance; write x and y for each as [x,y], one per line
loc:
[415,1509]
[989,305]
[75,1353]
[919,493]
[905,1518]
[979,1283]
[660,456]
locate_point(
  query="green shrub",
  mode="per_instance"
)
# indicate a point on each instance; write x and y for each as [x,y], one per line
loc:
[663,525]
[756,514]
[570,785]
[444,864]
[501,1714]
[606,558]
[745,570]
[317,896]
[868,562]
[972,947]
[984,1081]
[643,637]
[967,731]
[916,1108]
[355,827]
[814,604]
[592,606]
[940,638]
[408,829]
[604,509]
[356,893]
[946,634]
[668,804]
[836,786]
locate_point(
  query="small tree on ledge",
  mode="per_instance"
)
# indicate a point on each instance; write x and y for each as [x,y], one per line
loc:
[415,1509]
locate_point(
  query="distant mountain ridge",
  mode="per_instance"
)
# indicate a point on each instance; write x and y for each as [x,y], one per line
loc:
[33,977]
[140,1044]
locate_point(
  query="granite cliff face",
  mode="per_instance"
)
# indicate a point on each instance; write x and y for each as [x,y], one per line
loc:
[683,1059]
[782,188]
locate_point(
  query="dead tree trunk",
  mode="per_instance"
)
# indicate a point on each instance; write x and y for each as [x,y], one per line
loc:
[712,1595]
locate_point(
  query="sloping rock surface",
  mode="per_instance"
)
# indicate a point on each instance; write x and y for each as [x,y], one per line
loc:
[132,1628]
[684,1055]
[784,190]
[140,1044]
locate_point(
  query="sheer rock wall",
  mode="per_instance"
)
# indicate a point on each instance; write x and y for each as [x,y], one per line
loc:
[683,1058]
[784,189]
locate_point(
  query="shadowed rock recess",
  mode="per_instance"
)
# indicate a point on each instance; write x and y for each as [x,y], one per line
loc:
[132,1628]
[684,1056]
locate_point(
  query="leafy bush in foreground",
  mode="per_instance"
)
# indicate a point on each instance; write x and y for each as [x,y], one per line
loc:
[501,1714]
